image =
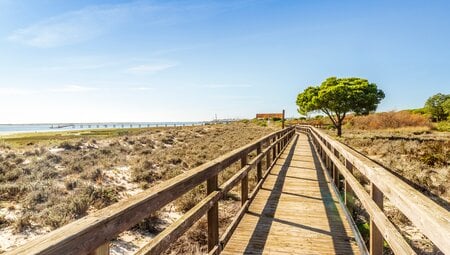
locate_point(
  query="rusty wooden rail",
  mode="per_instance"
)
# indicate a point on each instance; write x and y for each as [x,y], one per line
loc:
[91,234]
[341,162]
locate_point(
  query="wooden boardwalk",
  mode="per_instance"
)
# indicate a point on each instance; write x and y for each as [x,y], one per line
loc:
[295,211]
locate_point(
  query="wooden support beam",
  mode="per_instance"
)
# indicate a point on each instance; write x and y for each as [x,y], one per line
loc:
[278,144]
[101,250]
[274,150]
[259,165]
[268,160]
[213,215]
[244,182]
[376,237]
[348,193]
[335,175]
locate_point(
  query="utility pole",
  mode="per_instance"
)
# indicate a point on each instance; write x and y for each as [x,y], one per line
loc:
[282,121]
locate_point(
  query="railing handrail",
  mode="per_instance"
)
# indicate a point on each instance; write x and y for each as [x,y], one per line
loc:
[432,219]
[92,231]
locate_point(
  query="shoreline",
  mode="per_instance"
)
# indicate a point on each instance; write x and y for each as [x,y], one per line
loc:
[98,127]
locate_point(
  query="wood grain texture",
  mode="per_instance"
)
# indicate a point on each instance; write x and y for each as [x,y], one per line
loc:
[390,233]
[295,211]
[432,219]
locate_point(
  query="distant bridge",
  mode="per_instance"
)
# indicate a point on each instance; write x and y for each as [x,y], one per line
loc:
[298,206]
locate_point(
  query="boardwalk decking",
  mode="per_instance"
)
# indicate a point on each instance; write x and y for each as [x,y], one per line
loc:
[295,211]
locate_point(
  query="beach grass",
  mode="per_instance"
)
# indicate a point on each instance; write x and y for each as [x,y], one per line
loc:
[49,138]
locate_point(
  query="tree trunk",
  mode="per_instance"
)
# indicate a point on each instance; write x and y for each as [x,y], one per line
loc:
[339,129]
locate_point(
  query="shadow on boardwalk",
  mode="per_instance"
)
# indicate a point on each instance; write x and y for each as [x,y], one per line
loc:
[261,233]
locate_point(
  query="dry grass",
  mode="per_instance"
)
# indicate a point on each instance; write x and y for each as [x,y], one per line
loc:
[386,120]
[424,162]
[51,183]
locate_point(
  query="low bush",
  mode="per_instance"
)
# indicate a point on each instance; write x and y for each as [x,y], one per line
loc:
[387,120]
[145,171]
[9,191]
[22,223]
[4,222]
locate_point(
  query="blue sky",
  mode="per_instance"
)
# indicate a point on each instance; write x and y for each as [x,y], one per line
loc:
[82,61]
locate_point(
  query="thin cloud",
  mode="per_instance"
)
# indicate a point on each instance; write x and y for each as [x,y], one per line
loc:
[150,68]
[74,27]
[93,21]
[73,89]
[142,89]
[227,86]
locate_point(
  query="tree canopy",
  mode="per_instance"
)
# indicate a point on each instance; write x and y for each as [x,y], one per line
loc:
[338,96]
[438,106]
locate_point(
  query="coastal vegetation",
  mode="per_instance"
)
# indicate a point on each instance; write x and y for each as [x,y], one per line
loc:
[48,180]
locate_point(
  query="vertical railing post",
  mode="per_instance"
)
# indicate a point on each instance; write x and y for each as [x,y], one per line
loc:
[213,215]
[376,238]
[259,165]
[274,149]
[335,175]
[278,144]
[101,250]
[335,170]
[244,182]
[348,192]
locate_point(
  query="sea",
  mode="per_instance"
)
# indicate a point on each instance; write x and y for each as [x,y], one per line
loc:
[31,128]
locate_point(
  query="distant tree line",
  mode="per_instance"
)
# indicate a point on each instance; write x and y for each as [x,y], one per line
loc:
[438,107]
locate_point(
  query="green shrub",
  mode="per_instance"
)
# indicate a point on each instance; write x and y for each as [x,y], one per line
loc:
[22,223]
[4,222]
[10,191]
[151,224]
[190,199]
[92,174]
[145,171]
[55,159]
[70,184]
[443,126]
[67,146]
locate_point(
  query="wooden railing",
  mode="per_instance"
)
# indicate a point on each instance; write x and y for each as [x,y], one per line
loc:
[341,162]
[92,234]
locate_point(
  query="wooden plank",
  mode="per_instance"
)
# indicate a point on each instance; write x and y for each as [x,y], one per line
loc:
[285,217]
[230,183]
[163,240]
[376,238]
[278,143]
[274,149]
[244,182]
[432,219]
[213,215]
[234,223]
[268,159]
[348,194]
[259,165]
[102,250]
[390,233]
